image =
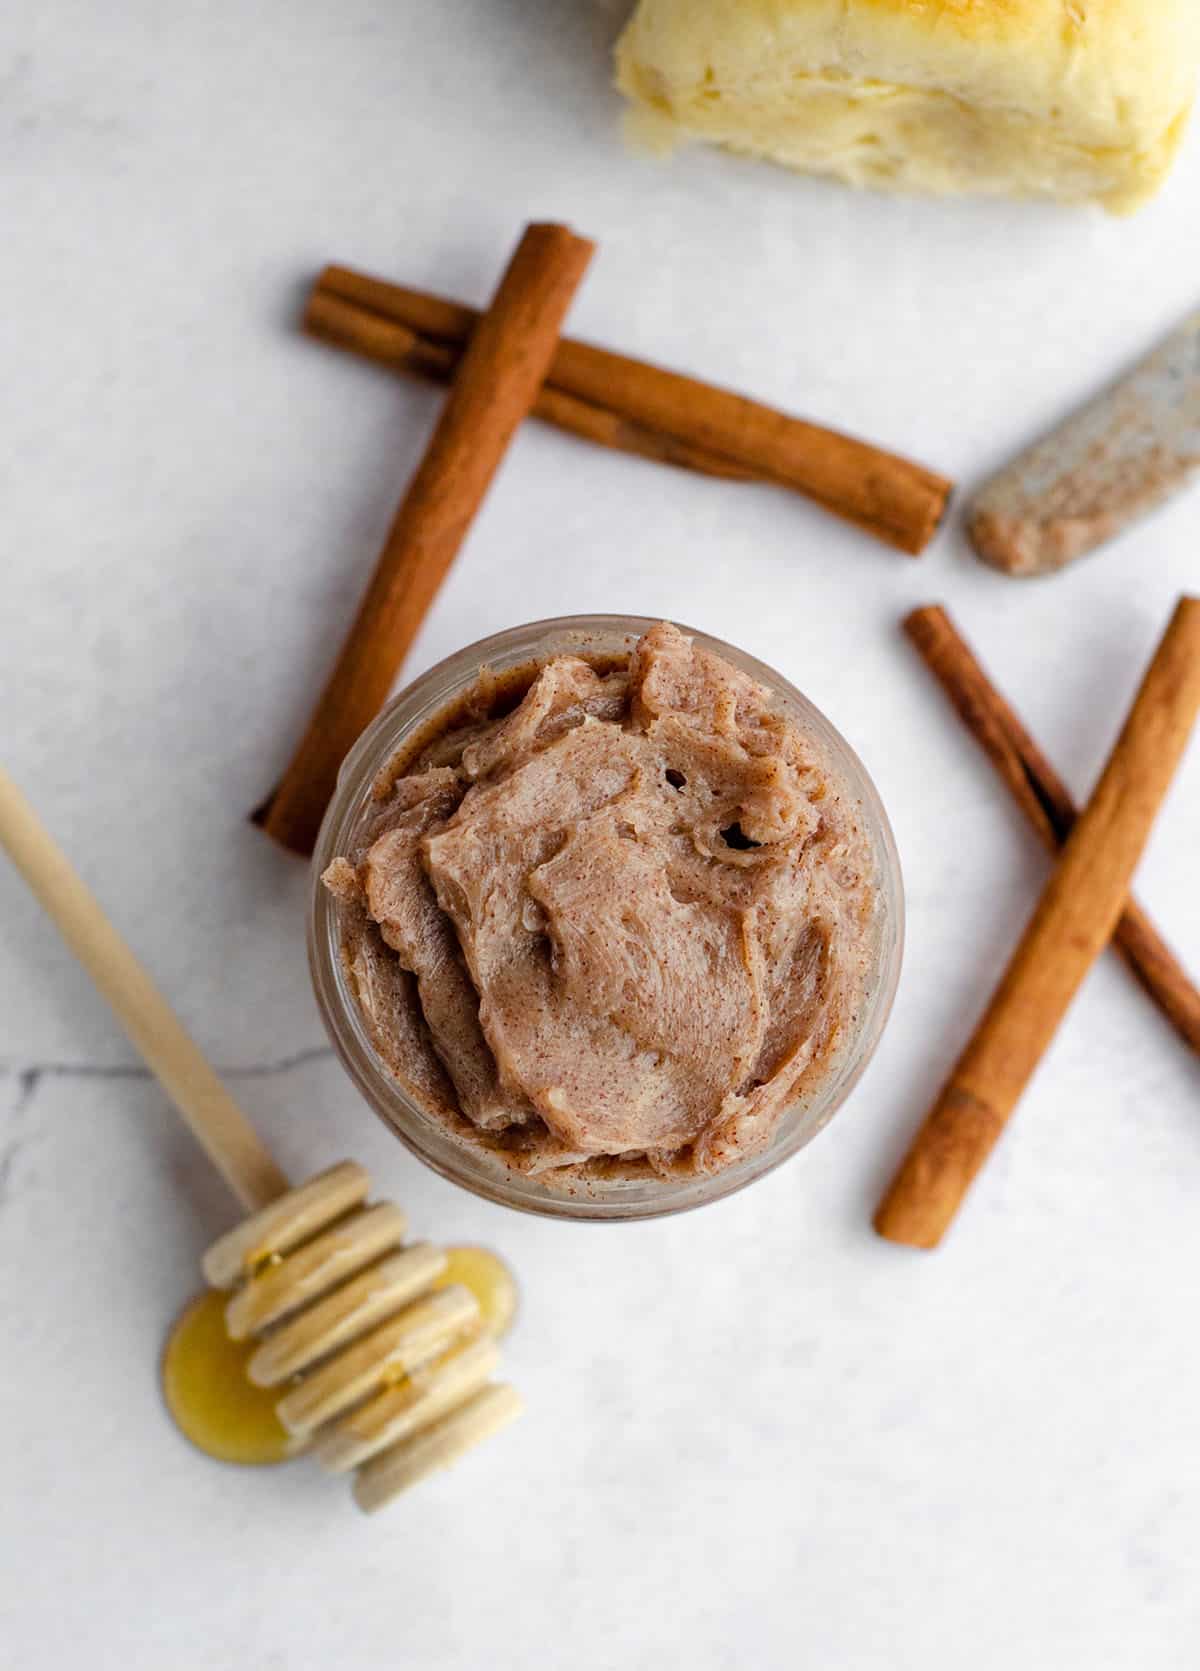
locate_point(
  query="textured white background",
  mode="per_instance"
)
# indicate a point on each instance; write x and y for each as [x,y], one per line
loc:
[757,1435]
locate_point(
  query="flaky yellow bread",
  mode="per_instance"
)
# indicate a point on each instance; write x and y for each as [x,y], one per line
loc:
[1071,99]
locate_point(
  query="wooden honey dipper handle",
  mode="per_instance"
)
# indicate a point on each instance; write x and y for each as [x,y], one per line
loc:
[223,1131]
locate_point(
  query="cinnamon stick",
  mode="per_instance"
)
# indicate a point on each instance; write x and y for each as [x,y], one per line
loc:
[1074,920]
[388,343]
[897,501]
[1046,802]
[496,385]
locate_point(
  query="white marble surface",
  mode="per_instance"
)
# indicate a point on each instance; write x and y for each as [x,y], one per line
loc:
[757,1435]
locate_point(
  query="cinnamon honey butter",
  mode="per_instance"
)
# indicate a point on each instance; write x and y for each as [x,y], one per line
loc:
[610,917]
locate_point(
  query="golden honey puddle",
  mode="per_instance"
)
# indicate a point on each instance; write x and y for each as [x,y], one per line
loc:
[491,1282]
[209,1396]
[214,1404]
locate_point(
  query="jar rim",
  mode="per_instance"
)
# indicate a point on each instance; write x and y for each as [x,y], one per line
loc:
[600,1200]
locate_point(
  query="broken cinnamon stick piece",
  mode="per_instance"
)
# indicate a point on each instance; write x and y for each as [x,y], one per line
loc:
[1046,802]
[496,385]
[1109,464]
[385,341]
[897,501]
[1074,920]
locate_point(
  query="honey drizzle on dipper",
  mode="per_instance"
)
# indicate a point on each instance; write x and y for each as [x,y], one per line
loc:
[211,1394]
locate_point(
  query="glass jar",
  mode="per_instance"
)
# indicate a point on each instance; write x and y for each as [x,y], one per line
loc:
[412,714]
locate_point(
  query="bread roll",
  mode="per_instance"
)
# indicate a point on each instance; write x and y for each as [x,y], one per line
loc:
[1072,99]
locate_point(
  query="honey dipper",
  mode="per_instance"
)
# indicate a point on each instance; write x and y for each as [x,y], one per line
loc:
[381,1370]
